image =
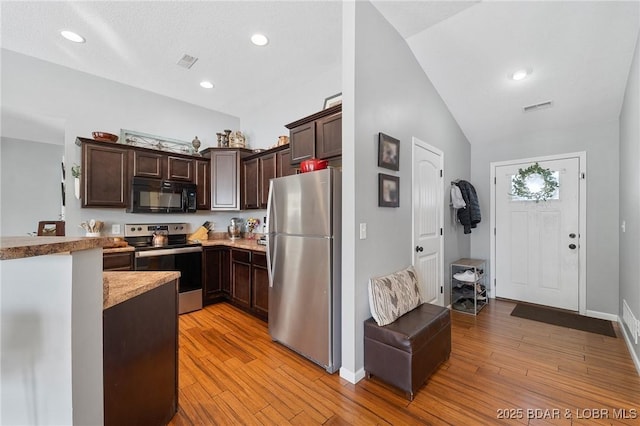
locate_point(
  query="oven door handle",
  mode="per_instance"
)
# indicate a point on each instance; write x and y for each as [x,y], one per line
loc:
[165,252]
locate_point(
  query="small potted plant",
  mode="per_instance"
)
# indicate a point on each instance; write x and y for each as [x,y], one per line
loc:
[75,172]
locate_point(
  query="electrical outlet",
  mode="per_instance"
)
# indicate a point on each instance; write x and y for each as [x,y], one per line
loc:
[115,228]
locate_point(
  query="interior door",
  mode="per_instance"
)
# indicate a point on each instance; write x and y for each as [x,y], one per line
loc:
[538,243]
[427,220]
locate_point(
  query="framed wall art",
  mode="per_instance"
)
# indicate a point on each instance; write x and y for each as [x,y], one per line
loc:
[333,100]
[388,190]
[388,152]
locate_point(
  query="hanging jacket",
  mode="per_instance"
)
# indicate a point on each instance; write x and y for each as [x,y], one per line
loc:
[469,216]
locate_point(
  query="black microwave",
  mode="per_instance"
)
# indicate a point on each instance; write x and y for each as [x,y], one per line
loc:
[162,196]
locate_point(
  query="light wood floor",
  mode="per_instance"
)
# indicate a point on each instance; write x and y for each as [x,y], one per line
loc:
[500,366]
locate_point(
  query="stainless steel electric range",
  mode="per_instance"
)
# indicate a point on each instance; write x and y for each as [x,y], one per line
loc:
[164,247]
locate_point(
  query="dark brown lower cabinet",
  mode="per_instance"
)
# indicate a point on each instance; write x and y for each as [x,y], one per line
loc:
[237,275]
[260,285]
[140,339]
[241,277]
[118,261]
[215,264]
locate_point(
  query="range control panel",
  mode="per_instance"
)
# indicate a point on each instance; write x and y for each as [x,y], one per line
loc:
[146,229]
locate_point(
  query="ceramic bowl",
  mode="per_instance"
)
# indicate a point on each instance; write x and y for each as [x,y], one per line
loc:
[104,137]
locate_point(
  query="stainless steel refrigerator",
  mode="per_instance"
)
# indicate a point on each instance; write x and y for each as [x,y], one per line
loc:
[303,256]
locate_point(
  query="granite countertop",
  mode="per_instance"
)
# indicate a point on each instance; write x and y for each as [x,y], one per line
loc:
[21,247]
[239,243]
[119,287]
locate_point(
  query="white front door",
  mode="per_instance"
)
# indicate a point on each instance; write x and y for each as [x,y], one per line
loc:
[428,214]
[537,244]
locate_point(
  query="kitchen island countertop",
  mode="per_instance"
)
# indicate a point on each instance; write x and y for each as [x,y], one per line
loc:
[120,286]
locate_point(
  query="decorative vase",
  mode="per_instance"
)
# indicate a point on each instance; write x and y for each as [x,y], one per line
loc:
[250,235]
[196,145]
[93,234]
[76,187]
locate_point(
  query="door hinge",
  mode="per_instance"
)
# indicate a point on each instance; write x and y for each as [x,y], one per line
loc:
[441,231]
[440,172]
[583,175]
[494,231]
[494,283]
[441,290]
[495,180]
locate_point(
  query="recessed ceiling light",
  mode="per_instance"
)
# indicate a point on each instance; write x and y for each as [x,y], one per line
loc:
[206,84]
[520,74]
[259,39]
[71,36]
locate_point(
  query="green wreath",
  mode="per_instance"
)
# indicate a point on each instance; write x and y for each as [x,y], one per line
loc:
[521,187]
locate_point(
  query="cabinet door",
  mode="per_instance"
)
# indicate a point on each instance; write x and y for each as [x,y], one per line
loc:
[241,277]
[283,164]
[302,142]
[149,164]
[329,136]
[203,185]
[105,181]
[215,266]
[225,180]
[260,284]
[180,169]
[117,261]
[267,171]
[250,186]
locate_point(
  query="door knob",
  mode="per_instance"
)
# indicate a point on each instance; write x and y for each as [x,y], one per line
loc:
[572,246]
[418,249]
[572,235]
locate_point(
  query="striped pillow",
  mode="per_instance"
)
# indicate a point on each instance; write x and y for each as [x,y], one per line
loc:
[393,295]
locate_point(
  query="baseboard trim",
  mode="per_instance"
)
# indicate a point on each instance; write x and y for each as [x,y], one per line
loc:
[630,345]
[601,315]
[350,376]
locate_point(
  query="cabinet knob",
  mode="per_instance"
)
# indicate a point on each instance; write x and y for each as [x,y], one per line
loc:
[572,246]
[419,249]
[572,235]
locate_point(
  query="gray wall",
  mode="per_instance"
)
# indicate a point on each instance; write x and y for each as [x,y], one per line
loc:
[630,192]
[87,103]
[601,143]
[391,94]
[30,174]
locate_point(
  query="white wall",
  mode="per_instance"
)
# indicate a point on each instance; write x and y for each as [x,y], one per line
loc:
[263,125]
[629,191]
[601,143]
[30,190]
[390,94]
[86,103]
[51,340]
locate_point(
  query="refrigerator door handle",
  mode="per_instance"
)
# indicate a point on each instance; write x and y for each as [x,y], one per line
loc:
[271,241]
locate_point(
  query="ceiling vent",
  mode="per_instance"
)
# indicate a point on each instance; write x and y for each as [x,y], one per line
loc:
[535,107]
[187,61]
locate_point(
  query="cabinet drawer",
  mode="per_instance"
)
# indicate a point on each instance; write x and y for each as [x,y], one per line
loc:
[243,256]
[259,259]
[117,261]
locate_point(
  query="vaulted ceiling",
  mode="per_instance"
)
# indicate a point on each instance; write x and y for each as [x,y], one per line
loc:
[579,52]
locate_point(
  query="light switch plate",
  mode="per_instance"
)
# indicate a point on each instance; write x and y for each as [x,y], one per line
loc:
[363,231]
[115,228]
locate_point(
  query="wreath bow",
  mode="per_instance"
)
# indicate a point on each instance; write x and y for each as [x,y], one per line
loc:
[521,186]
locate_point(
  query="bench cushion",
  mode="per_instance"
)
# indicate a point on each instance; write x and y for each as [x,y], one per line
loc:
[412,330]
[392,296]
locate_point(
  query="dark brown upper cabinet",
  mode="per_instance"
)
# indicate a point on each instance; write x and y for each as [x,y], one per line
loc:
[104,175]
[250,184]
[283,164]
[316,136]
[163,166]
[203,184]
